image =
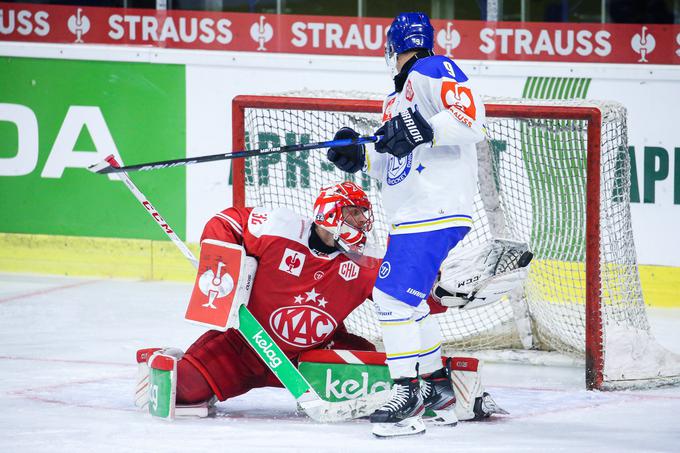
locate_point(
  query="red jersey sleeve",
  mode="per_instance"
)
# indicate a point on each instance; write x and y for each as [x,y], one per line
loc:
[229,225]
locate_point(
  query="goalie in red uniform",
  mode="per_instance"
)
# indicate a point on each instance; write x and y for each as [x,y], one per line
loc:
[308,281]
[305,286]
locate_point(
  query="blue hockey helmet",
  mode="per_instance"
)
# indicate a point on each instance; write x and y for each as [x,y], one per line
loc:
[408,31]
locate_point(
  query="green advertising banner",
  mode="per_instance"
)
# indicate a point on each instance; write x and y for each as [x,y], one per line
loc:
[59,116]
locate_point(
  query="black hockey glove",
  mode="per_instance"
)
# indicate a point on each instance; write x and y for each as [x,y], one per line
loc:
[347,158]
[403,132]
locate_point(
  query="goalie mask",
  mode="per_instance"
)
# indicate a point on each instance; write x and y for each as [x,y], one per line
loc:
[345,211]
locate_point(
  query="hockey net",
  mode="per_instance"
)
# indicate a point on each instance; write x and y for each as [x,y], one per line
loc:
[553,174]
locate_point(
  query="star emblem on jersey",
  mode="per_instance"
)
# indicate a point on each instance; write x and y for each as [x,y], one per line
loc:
[312,295]
[420,168]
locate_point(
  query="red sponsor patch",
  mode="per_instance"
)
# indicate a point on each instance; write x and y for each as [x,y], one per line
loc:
[292,262]
[302,326]
[387,114]
[458,97]
[409,91]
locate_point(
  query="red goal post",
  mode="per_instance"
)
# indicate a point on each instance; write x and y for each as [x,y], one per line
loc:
[578,124]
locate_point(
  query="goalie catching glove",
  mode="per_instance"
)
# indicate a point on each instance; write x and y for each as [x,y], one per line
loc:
[474,277]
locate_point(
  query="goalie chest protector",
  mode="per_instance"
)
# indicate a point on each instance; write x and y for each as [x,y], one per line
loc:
[299,295]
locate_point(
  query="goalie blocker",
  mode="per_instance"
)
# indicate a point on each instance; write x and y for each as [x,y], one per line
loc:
[474,277]
[223,283]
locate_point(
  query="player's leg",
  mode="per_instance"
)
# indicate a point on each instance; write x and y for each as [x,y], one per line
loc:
[411,337]
[228,364]
[218,366]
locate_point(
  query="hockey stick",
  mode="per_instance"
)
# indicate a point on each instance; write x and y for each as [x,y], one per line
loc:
[97,168]
[262,343]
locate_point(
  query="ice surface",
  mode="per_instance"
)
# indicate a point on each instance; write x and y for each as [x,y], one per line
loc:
[67,375]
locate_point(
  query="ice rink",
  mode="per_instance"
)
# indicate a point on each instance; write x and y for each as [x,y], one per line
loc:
[67,376]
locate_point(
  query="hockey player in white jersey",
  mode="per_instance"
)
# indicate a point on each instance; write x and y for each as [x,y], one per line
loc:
[426,161]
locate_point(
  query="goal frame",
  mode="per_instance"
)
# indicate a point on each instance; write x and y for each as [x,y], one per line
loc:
[594,363]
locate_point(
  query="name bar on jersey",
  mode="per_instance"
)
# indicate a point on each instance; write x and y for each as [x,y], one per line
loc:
[328,35]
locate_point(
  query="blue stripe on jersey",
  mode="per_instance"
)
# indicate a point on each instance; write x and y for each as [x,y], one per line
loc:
[433,67]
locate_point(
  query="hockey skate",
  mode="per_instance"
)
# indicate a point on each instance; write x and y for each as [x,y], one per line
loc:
[439,399]
[401,415]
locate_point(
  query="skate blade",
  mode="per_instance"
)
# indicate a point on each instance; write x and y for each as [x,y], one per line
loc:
[407,427]
[442,418]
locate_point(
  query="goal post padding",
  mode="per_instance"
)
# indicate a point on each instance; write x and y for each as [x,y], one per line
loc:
[555,174]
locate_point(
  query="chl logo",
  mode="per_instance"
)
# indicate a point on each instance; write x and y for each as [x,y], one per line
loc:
[349,270]
[292,262]
[302,326]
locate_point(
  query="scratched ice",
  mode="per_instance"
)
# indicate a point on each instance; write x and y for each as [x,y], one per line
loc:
[67,378]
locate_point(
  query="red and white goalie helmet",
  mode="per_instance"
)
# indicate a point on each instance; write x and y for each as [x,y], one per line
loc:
[345,211]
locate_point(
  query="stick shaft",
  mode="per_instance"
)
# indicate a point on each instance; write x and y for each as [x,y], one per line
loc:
[153,212]
[237,154]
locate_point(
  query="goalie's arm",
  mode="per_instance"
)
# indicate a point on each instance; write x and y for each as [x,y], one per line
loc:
[228,225]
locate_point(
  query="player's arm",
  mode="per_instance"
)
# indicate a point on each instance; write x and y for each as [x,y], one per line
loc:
[461,118]
[228,225]
[357,157]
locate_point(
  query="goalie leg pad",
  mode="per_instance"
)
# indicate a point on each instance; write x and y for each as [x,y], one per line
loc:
[143,356]
[472,402]
[162,385]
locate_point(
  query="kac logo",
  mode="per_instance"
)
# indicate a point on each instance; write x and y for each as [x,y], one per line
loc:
[398,169]
[448,38]
[302,326]
[385,269]
[261,32]
[78,25]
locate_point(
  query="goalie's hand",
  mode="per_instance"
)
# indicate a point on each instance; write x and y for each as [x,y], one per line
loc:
[401,134]
[347,158]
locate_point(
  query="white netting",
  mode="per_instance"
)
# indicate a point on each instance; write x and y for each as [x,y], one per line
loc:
[532,188]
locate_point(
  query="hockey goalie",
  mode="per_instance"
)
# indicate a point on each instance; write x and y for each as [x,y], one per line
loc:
[311,274]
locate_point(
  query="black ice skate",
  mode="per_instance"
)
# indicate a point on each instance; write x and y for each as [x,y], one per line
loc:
[439,399]
[401,414]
